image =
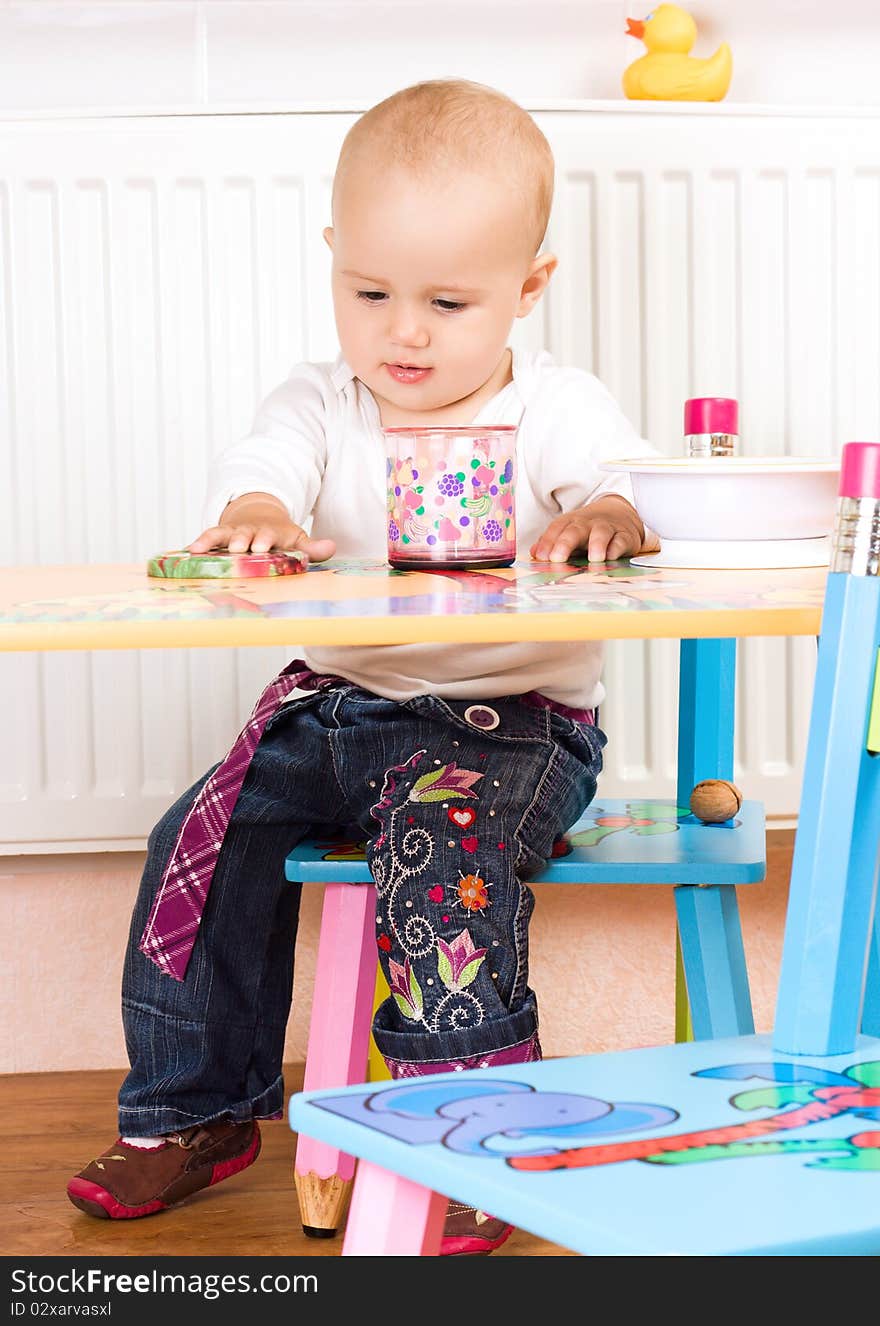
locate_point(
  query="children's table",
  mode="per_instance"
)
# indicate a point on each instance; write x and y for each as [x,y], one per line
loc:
[361,602]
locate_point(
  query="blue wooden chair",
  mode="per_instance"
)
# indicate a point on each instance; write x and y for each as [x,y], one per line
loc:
[653,842]
[743,1145]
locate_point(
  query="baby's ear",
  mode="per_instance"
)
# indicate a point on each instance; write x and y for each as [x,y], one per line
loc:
[540,271]
[328,237]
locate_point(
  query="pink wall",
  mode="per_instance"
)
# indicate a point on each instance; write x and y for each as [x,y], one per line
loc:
[602,960]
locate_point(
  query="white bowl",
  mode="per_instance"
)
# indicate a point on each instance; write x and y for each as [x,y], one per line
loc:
[734,497]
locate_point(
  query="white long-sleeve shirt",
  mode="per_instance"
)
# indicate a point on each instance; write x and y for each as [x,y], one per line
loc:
[317,445]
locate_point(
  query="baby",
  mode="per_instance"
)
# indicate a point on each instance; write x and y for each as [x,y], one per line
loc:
[440,203]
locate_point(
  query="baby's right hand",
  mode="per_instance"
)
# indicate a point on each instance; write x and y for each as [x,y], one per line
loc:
[257,522]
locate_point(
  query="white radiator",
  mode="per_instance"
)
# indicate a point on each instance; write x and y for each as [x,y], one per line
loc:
[161,273]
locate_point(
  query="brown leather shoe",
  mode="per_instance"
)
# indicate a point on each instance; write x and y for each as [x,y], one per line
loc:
[469,1232]
[129,1181]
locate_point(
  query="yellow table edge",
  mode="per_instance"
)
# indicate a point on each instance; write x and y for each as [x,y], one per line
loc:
[479,628]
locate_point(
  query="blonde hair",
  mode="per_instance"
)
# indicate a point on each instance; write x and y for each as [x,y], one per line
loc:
[455,123]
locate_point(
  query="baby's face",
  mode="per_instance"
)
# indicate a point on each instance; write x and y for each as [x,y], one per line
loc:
[427,281]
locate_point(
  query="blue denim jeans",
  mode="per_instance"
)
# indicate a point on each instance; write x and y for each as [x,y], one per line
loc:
[460,805]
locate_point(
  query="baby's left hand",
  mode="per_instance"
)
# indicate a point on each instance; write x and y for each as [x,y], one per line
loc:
[607,529]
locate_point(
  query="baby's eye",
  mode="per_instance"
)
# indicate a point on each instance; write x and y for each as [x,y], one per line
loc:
[448,305]
[372,296]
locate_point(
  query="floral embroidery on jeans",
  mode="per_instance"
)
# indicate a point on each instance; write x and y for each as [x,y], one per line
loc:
[410,853]
[458,962]
[444,784]
[400,861]
[405,990]
[436,972]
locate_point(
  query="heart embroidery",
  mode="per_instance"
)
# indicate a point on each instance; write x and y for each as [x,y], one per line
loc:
[464,817]
[436,893]
[469,844]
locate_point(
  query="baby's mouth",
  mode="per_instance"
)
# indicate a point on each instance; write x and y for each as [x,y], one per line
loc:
[407,372]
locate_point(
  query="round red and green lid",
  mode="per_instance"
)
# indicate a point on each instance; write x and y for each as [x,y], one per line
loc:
[223,565]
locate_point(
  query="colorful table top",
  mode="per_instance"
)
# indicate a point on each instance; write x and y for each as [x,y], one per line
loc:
[364,602]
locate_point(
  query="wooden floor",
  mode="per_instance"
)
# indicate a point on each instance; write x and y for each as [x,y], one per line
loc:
[52,1124]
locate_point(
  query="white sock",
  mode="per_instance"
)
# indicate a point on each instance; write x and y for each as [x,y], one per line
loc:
[143,1143]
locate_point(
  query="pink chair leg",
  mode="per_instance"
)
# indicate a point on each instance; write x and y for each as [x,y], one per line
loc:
[342,1008]
[392,1217]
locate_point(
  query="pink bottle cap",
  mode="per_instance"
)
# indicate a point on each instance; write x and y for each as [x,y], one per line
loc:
[860,469]
[711,414]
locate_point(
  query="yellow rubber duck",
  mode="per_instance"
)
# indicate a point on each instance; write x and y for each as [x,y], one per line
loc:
[668,72]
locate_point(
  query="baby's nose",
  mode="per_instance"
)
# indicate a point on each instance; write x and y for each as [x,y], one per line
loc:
[409,330]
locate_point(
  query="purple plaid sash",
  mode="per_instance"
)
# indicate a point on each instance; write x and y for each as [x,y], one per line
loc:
[176,914]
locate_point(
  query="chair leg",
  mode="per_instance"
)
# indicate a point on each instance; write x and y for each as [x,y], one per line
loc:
[684,1027]
[377,1069]
[830,928]
[392,1216]
[706,713]
[714,961]
[342,1004]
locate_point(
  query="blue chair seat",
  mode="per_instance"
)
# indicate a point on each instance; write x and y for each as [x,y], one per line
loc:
[711,1148]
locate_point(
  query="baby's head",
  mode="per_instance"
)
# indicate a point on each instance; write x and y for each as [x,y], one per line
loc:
[440,203]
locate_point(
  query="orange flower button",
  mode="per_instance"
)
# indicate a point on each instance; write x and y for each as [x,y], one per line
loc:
[472,893]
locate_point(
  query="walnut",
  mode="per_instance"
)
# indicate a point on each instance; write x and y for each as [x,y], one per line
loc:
[715,800]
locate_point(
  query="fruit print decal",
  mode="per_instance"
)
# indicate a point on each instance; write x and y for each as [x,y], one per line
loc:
[642,818]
